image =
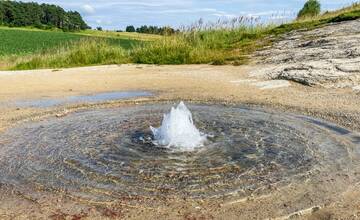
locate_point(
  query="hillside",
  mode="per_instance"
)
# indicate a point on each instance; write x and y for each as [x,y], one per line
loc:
[16,41]
[231,42]
[120,35]
[21,44]
[25,41]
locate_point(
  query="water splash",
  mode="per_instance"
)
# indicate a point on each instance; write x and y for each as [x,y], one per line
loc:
[178,129]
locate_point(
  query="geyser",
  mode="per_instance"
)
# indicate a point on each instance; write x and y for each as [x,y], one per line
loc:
[107,155]
[178,130]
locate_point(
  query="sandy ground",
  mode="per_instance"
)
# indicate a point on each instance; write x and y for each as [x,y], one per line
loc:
[197,83]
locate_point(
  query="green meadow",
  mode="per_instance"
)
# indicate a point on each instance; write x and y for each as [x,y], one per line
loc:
[23,41]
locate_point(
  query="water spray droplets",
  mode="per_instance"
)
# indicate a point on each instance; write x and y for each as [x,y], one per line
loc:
[178,130]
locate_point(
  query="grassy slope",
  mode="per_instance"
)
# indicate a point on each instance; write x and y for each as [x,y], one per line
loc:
[120,35]
[229,46]
[85,52]
[345,14]
[219,46]
[20,45]
[23,41]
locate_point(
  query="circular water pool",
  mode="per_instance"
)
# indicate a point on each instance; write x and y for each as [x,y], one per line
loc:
[104,155]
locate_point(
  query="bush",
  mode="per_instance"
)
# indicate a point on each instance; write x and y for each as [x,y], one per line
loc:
[311,8]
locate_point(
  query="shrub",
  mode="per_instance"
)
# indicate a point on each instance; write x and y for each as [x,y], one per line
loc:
[311,8]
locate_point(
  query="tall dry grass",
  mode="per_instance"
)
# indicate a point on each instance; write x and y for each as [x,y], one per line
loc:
[214,42]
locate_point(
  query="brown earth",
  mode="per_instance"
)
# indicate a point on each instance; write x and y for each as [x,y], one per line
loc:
[194,83]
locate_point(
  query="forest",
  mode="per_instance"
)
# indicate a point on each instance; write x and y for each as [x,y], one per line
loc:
[166,30]
[44,16]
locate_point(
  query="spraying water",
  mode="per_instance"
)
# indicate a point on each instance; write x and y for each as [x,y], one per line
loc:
[178,130]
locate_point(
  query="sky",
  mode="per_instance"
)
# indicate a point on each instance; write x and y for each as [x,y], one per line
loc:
[117,14]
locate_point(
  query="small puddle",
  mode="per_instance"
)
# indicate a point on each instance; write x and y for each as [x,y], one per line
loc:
[94,98]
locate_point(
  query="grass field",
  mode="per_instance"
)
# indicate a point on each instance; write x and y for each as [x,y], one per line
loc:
[20,42]
[25,41]
[120,35]
[217,44]
[87,51]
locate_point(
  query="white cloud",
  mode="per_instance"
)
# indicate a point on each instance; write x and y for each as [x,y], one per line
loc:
[88,9]
[223,14]
[103,22]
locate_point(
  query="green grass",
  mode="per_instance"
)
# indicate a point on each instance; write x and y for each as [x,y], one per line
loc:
[87,51]
[20,42]
[316,22]
[229,46]
[120,35]
[212,46]
[24,41]
[220,45]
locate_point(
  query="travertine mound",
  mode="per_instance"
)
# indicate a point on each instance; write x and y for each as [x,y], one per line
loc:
[328,56]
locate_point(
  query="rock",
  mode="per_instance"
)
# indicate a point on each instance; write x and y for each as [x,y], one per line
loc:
[328,57]
[272,84]
[63,113]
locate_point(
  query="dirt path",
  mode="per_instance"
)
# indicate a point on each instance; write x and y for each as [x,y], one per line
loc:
[192,83]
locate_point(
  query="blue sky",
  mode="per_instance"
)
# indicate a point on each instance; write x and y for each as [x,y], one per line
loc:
[117,14]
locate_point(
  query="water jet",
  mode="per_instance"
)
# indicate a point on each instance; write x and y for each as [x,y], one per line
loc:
[107,154]
[178,130]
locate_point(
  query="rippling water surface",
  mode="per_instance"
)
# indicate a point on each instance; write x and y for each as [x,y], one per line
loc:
[103,155]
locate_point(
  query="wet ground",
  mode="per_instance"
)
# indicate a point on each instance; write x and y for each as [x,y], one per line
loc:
[325,183]
[89,99]
[107,155]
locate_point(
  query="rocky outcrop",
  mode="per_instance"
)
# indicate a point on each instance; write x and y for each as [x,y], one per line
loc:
[328,56]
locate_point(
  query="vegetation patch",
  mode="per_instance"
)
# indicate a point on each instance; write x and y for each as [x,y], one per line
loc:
[21,41]
[230,42]
[196,47]
[347,16]
[311,8]
[80,53]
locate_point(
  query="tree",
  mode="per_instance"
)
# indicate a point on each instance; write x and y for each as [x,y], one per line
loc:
[2,14]
[99,28]
[311,8]
[156,30]
[130,28]
[14,13]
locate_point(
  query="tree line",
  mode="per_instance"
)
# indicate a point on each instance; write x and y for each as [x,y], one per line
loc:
[166,30]
[44,16]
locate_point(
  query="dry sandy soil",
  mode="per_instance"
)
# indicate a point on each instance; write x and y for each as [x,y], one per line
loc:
[194,83]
